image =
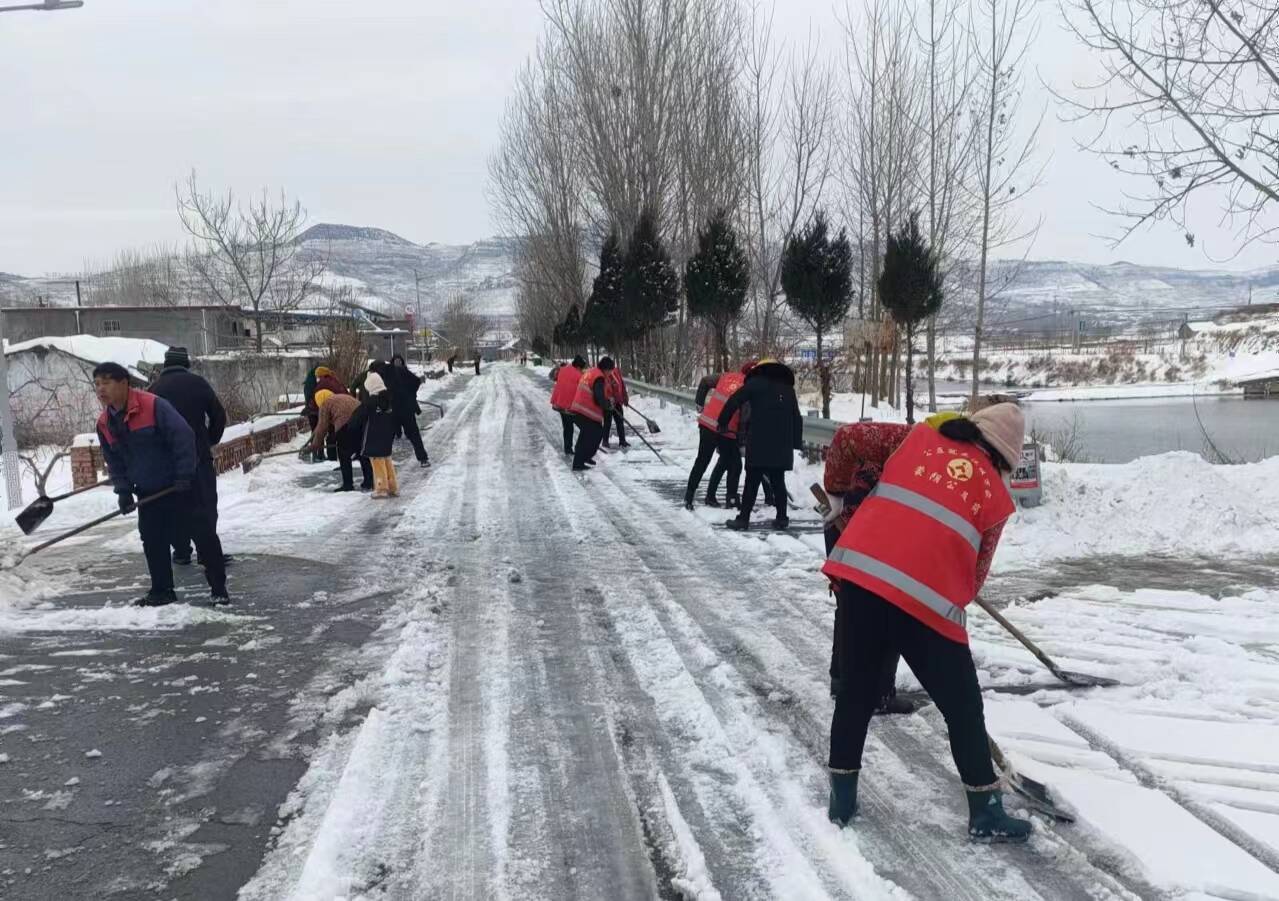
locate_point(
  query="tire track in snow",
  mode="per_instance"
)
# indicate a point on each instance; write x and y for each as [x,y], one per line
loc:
[939,859]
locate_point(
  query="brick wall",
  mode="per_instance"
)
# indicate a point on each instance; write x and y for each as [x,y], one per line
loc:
[87,466]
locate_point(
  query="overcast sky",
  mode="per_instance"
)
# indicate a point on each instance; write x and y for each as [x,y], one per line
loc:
[372,112]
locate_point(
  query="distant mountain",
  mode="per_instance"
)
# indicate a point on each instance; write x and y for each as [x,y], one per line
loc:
[389,273]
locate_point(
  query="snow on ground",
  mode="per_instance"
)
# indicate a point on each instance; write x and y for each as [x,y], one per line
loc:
[1174,771]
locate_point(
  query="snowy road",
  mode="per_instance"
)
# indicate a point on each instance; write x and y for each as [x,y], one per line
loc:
[555,686]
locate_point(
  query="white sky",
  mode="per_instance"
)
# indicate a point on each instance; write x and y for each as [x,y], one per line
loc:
[372,112]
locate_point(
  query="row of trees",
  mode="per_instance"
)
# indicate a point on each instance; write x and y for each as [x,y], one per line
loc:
[690,120]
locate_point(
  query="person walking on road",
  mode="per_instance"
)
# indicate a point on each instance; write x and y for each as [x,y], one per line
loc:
[909,562]
[403,386]
[615,387]
[148,448]
[379,436]
[198,404]
[776,432]
[712,393]
[477,363]
[338,418]
[590,405]
[566,378]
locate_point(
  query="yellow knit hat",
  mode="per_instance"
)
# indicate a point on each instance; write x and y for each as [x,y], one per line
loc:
[321,396]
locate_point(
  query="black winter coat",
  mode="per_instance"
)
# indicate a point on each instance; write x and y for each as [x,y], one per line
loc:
[403,386]
[776,425]
[378,423]
[198,404]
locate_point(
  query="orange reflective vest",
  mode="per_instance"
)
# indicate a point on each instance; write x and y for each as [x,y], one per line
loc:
[914,541]
[729,384]
[615,388]
[584,398]
[565,387]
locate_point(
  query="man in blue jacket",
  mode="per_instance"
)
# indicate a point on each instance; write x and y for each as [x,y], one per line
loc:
[148,448]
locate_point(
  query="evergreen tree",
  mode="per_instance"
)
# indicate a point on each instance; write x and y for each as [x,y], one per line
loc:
[605,308]
[817,276]
[716,279]
[540,347]
[568,334]
[649,283]
[910,288]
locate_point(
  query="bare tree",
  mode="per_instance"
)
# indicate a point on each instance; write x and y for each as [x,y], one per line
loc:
[1001,158]
[950,140]
[247,255]
[49,409]
[789,118]
[882,156]
[1189,95]
[460,325]
[153,276]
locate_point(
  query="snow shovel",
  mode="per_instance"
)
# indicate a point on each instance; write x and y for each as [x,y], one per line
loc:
[39,509]
[24,553]
[253,461]
[638,435]
[1033,792]
[652,426]
[1079,680]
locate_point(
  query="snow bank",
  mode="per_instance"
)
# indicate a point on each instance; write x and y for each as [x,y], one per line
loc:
[46,617]
[1175,503]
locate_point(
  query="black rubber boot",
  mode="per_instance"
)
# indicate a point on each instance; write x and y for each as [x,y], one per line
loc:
[155,598]
[843,798]
[989,824]
[183,560]
[739,524]
[781,522]
[710,501]
[219,597]
[895,705]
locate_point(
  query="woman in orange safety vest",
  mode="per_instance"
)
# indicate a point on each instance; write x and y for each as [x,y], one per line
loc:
[908,563]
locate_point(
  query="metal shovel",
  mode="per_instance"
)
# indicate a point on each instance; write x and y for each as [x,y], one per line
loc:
[253,461]
[653,427]
[24,553]
[1079,680]
[39,509]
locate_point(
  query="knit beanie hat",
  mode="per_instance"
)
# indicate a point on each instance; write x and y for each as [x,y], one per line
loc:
[1004,428]
[177,356]
[373,384]
[322,371]
[321,396]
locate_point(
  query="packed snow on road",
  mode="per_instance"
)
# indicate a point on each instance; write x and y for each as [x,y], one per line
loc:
[520,681]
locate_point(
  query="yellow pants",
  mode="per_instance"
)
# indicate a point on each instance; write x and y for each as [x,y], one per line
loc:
[384,481]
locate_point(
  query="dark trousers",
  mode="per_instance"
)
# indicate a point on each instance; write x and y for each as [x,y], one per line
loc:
[754,476]
[888,670]
[407,420]
[611,418]
[566,419]
[945,668]
[730,461]
[348,447]
[206,485]
[589,435]
[180,514]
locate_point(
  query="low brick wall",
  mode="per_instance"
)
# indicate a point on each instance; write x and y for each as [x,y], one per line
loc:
[88,467]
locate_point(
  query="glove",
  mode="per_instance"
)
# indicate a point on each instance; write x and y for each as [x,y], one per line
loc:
[181,486]
[125,500]
[836,509]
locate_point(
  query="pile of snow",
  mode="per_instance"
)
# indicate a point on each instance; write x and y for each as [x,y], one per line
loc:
[127,352]
[1175,503]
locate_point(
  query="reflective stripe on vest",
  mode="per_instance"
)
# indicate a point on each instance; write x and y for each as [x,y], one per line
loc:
[712,422]
[584,397]
[931,509]
[726,386]
[902,582]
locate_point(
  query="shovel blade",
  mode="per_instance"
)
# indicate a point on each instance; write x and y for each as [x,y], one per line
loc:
[654,427]
[1084,680]
[35,513]
[250,463]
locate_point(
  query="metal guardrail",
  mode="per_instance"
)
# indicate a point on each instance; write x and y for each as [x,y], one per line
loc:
[817,432]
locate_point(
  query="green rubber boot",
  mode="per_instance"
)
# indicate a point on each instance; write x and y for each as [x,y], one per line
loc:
[989,824]
[843,798]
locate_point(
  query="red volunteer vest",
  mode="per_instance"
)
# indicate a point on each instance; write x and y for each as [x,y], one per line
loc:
[729,383]
[565,387]
[584,398]
[914,541]
[614,387]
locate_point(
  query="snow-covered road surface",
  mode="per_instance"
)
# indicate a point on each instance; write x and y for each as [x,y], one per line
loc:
[569,687]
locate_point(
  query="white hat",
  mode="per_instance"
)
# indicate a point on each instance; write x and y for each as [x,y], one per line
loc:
[373,384]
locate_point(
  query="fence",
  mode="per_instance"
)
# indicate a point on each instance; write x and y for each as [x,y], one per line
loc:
[241,442]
